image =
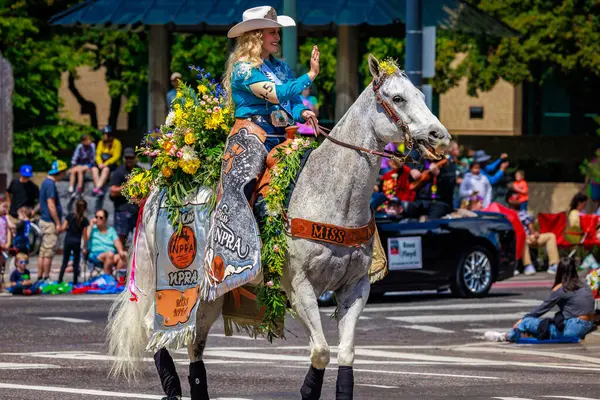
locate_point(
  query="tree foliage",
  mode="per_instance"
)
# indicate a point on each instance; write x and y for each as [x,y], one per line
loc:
[201,50]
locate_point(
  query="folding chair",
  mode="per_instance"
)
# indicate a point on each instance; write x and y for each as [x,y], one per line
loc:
[557,224]
[589,224]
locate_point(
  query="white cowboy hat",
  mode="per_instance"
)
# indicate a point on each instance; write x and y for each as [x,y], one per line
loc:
[260,18]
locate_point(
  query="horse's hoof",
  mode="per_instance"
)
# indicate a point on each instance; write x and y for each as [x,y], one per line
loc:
[197,379]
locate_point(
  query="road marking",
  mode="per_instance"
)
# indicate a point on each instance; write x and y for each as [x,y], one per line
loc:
[427,328]
[255,356]
[511,398]
[240,337]
[377,371]
[21,366]
[64,319]
[458,318]
[363,317]
[570,397]
[484,330]
[378,386]
[506,349]
[527,303]
[91,392]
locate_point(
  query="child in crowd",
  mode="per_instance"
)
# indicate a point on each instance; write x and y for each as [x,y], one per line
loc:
[83,160]
[4,240]
[20,279]
[574,320]
[472,203]
[23,227]
[75,225]
[521,191]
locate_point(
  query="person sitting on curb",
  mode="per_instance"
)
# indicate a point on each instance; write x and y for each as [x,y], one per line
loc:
[104,245]
[84,158]
[20,278]
[108,157]
[536,240]
[574,320]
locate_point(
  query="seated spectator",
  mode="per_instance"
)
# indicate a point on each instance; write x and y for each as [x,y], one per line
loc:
[472,203]
[75,226]
[521,191]
[493,171]
[475,181]
[84,158]
[4,240]
[125,212]
[536,240]
[20,278]
[108,156]
[21,241]
[103,243]
[574,320]
[576,207]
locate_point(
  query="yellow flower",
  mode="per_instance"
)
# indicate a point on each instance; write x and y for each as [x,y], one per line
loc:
[172,164]
[168,145]
[202,89]
[189,104]
[388,67]
[213,121]
[189,138]
[189,167]
[166,171]
[177,106]
[179,94]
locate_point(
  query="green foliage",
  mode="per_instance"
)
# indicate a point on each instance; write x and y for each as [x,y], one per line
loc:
[591,168]
[324,87]
[209,52]
[381,48]
[42,145]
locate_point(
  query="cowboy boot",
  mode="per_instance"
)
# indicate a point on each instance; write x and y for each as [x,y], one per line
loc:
[344,387]
[197,379]
[313,383]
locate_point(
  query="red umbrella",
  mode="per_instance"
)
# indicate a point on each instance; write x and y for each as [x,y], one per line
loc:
[513,217]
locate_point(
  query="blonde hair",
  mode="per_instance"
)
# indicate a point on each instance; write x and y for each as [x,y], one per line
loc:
[248,48]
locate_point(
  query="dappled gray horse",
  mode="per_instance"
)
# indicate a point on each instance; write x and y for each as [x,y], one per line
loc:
[334,189]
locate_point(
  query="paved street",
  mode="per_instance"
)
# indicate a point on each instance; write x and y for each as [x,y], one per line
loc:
[410,346]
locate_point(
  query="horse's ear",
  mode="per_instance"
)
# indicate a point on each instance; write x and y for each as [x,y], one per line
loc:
[373,66]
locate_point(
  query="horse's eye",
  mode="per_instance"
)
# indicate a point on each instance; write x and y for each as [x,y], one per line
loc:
[398,99]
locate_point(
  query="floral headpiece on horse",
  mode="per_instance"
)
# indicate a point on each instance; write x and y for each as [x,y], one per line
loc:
[388,67]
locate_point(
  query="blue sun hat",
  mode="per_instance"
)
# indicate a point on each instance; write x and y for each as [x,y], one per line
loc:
[57,167]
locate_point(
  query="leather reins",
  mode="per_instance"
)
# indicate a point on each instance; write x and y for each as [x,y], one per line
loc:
[390,112]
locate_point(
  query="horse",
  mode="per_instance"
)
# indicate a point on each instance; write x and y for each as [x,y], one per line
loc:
[334,188]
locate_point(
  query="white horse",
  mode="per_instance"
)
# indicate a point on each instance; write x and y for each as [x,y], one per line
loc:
[334,187]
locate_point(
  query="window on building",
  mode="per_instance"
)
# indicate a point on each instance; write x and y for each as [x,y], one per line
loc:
[476,112]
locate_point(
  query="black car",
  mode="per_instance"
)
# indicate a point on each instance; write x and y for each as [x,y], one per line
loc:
[465,254]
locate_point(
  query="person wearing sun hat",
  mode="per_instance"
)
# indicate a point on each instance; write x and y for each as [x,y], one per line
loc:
[262,87]
[51,217]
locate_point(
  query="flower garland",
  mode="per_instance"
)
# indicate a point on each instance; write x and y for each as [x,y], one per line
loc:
[187,149]
[388,67]
[273,234]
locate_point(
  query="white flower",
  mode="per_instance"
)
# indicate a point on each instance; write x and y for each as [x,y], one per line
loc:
[188,153]
[170,118]
[273,212]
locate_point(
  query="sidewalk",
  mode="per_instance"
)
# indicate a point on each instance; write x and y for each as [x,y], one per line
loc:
[54,270]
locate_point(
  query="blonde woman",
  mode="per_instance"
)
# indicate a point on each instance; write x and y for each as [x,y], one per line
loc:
[262,87]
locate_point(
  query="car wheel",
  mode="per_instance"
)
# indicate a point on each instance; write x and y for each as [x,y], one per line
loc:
[474,273]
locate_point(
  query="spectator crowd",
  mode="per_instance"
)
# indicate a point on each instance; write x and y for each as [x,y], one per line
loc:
[26,206]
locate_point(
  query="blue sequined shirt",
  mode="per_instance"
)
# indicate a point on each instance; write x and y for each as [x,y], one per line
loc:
[247,104]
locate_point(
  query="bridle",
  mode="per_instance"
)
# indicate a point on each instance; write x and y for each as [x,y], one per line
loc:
[390,112]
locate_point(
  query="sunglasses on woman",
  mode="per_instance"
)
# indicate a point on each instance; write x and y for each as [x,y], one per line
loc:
[100,217]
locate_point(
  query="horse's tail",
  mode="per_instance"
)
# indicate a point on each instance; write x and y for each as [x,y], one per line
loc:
[128,329]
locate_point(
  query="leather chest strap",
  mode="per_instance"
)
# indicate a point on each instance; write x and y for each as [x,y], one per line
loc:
[349,237]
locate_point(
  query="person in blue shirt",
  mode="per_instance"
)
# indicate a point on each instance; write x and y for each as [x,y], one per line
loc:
[51,217]
[171,94]
[262,87]
[493,171]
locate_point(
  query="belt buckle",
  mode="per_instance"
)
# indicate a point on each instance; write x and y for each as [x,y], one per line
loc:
[279,119]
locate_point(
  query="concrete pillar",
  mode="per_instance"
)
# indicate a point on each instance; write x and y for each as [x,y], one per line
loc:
[346,76]
[158,75]
[6,123]
[414,41]
[290,36]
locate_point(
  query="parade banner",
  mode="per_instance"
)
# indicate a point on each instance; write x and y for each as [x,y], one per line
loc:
[233,247]
[179,272]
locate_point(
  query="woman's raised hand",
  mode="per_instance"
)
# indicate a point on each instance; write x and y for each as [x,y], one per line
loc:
[315,68]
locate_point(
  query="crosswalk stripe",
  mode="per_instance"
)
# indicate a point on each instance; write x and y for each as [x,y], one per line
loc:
[484,330]
[377,386]
[457,318]
[526,303]
[511,398]
[427,328]
[23,366]
[64,319]
[570,397]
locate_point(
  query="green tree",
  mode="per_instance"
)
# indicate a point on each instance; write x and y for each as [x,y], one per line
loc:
[199,50]
[324,87]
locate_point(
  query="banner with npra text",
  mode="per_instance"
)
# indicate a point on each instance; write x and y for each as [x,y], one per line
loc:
[179,273]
